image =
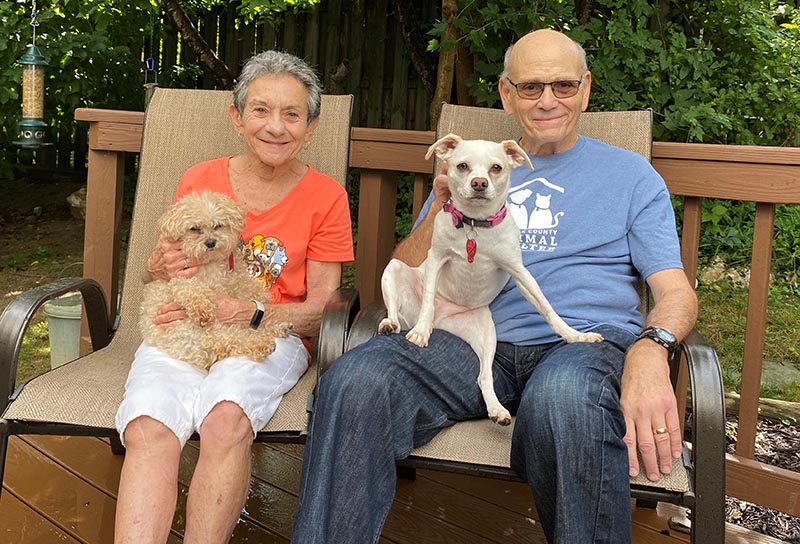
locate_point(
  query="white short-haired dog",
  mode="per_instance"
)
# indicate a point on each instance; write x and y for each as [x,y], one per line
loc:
[207,226]
[464,271]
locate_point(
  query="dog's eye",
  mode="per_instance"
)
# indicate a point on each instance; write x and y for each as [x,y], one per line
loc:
[217,226]
[462,166]
[496,168]
[195,229]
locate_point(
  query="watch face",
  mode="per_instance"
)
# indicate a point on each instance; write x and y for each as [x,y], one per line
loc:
[665,335]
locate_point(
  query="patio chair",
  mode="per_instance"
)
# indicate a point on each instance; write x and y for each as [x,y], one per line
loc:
[480,447]
[182,128]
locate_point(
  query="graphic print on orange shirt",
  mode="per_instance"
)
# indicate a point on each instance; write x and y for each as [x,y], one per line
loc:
[264,258]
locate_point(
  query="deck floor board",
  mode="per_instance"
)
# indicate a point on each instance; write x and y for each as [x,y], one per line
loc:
[63,490]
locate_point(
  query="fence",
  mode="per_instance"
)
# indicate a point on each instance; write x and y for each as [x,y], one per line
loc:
[357,47]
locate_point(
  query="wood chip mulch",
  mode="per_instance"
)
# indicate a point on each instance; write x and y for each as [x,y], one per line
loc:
[779,445]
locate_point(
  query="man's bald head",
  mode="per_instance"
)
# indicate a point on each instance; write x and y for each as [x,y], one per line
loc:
[544,39]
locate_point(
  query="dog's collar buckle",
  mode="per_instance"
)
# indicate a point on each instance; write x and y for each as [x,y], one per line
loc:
[459,219]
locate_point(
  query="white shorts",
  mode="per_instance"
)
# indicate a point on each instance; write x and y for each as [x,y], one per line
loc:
[180,395]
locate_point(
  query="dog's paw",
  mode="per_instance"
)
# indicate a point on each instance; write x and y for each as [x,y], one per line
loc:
[419,336]
[589,337]
[500,415]
[575,336]
[387,326]
[205,316]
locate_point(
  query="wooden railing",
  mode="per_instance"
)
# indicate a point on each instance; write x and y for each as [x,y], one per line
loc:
[764,175]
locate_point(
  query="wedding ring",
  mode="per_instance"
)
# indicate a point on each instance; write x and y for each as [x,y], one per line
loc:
[660,430]
[185,264]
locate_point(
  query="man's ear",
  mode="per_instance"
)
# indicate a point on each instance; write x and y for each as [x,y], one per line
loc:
[505,89]
[587,89]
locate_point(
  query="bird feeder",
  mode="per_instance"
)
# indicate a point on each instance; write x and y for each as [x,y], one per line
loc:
[32,125]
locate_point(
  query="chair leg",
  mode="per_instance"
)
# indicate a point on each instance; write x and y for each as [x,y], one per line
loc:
[407,473]
[3,449]
[116,446]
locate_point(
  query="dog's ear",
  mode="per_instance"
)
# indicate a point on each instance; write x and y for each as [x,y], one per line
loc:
[516,154]
[172,223]
[232,210]
[443,146]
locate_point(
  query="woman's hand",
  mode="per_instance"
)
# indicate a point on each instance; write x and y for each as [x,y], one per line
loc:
[229,311]
[168,314]
[234,310]
[168,261]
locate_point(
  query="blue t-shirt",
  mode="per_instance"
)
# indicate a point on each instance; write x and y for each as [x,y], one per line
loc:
[592,219]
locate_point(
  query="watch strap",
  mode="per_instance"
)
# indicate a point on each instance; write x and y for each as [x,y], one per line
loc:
[652,333]
[258,315]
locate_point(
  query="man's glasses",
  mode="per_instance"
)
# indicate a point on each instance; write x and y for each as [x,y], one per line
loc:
[532,90]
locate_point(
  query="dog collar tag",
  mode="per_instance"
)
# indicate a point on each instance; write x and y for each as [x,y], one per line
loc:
[472,248]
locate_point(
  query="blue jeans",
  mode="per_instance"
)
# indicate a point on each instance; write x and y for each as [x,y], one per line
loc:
[388,396]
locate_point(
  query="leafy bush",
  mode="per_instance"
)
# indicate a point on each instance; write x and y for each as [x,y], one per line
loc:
[724,71]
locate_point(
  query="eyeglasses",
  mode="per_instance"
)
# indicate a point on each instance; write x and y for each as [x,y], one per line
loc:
[532,90]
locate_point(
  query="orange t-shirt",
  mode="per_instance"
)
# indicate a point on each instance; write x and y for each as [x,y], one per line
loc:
[311,222]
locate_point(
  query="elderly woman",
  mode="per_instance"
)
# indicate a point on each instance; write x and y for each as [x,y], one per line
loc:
[301,218]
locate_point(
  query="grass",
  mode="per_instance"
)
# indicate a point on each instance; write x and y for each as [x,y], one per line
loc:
[723,309]
[34,357]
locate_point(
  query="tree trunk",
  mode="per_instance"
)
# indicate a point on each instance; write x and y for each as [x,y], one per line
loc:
[192,37]
[464,69]
[447,56]
[416,43]
[583,10]
[773,409]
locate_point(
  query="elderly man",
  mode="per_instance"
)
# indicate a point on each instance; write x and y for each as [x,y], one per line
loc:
[582,409]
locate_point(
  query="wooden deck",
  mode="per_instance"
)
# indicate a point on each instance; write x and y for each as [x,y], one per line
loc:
[63,490]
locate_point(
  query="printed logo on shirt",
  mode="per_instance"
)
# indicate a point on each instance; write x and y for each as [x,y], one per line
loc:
[265,258]
[531,206]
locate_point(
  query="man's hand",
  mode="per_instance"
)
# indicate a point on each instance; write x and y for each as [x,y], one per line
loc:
[650,410]
[414,248]
[440,187]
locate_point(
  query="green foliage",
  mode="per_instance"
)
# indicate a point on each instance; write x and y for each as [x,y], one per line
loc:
[724,71]
[270,10]
[92,58]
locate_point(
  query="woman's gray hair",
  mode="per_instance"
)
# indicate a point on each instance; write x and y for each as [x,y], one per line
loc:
[578,47]
[278,62]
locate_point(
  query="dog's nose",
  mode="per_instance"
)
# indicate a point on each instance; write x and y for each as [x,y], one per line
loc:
[479,184]
[211,243]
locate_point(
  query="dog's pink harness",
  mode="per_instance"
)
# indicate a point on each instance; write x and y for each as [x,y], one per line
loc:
[459,220]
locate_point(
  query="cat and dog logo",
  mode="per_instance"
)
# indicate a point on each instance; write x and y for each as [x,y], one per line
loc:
[535,217]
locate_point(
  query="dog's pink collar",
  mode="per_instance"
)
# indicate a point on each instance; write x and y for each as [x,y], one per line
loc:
[459,219]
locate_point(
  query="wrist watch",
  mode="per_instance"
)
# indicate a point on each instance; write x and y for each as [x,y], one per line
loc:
[662,337]
[255,321]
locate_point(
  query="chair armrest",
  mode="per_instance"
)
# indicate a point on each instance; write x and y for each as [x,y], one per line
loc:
[708,422]
[337,316]
[365,325]
[18,314]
